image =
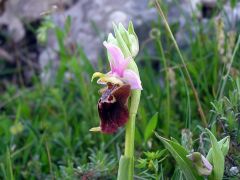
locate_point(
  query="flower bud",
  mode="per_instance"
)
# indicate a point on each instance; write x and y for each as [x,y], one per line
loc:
[126,39]
[201,164]
[224,146]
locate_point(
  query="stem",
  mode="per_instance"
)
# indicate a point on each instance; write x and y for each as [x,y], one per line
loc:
[200,110]
[129,136]
[168,120]
[130,126]
[126,163]
[229,68]
[130,130]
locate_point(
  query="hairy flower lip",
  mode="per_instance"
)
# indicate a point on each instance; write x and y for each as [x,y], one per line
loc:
[112,107]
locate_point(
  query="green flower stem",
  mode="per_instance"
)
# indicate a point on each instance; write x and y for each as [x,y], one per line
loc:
[130,127]
[126,165]
[168,104]
[228,69]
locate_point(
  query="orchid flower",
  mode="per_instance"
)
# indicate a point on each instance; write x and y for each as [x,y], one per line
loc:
[121,82]
[113,104]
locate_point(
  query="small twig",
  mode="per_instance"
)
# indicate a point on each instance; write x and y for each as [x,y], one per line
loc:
[168,104]
[200,110]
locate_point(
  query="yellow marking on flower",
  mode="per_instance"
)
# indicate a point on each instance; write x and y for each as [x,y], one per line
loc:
[97,74]
[110,79]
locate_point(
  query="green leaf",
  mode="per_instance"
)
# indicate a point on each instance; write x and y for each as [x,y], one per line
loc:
[233,3]
[174,140]
[217,157]
[67,25]
[88,65]
[152,124]
[224,145]
[9,165]
[179,153]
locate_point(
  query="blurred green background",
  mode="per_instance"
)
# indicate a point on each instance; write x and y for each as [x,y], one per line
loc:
[44,127]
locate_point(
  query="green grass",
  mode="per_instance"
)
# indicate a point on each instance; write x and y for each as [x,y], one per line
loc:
[44,129]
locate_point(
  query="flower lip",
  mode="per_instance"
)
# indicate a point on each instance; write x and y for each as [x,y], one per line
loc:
[206,163]
[112,107]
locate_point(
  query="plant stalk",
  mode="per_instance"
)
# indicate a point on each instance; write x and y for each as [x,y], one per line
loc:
[228,69]
[126,164]
[130,126]
[168,105]
[200,109]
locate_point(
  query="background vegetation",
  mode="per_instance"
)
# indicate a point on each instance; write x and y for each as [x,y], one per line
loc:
[44,129]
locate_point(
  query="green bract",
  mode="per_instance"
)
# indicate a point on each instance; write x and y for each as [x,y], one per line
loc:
[224,146]
[217,154]
[126,39]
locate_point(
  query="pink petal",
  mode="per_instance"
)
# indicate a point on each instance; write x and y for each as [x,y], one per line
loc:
[132,78]
[117,61]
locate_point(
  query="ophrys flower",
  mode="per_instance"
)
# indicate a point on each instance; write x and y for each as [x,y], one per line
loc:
[113,104]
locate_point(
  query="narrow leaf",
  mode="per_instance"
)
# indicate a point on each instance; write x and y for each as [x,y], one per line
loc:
[152,124]
[9,165]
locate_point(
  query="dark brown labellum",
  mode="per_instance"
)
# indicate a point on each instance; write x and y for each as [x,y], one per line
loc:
[112,107]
